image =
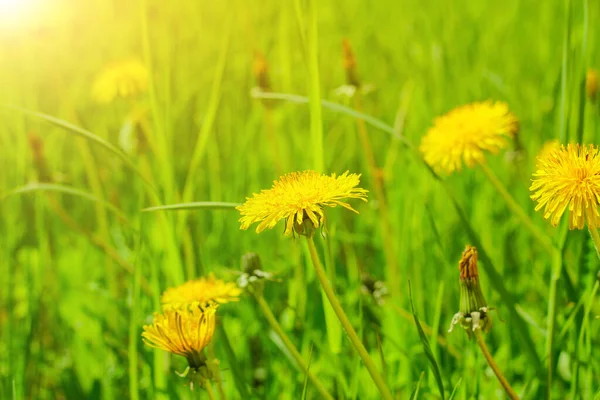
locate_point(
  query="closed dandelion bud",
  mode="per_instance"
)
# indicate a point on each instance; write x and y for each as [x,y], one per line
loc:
[253,277]
[349,63]
[261,71]
[39,160]
[473,312]
[591,84]
[376,289]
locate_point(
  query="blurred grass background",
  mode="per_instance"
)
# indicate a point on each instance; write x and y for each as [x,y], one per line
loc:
[78,281]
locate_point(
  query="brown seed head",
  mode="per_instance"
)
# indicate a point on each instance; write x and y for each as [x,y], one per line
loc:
[261,71]
[349,63]
[468,264]
[591,84]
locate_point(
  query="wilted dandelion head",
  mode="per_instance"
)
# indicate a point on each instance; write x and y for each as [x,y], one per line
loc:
[185,332]
[464,135]
[473,313]
[121,79]
[591,84]
[569,177]
[200,292]
[299,197]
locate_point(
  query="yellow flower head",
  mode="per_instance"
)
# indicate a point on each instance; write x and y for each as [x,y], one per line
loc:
[185,332]
[463,134]
[569,177]
[300,196]
[200,292]
[122,79]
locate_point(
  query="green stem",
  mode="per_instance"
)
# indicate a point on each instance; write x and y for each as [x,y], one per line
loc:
[595,239]
[209,390]
[488,356]
[339,311]
[266,310]
[516,208]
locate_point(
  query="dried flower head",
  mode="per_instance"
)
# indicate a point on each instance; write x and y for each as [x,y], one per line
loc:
[473,312]
[253,277]
[200,292]
[591,84]
[123,79]
[349,64]
[466,133]
[261,71]
[185,332]
[299,197]
[569,177]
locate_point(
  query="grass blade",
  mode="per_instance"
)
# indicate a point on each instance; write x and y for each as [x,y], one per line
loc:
[430,357]
[415,392]
[198,205]
[53,187]
[238,377]
[76,130]
[305,388]
[294,98]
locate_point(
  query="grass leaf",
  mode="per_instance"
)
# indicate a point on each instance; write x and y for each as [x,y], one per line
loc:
[430,357]
[198,205]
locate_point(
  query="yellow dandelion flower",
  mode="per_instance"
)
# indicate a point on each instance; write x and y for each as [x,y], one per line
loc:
[300,196]
[200,292]
[122,79]
[465,133]
[569,177]
[184,332]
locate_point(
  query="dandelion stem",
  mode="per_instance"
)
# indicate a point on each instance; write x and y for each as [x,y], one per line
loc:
[274,324]
[339,311]
[488,356]
[595,239]
[209,390]
[517,209]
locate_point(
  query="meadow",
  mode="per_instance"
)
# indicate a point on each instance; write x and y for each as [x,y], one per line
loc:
[131,133]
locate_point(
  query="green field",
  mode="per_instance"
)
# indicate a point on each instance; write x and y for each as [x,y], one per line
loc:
[230,100]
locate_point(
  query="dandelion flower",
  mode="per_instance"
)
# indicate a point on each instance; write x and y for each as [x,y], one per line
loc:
[569,177]
[200,292]
[298,197]
[465,133]
[122,79]
[185,332]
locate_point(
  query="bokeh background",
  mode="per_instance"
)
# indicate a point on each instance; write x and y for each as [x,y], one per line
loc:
[82,267]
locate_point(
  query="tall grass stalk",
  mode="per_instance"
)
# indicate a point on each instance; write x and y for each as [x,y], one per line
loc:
[316,121]
[339,311]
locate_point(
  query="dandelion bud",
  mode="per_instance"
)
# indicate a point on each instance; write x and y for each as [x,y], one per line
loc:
[261,71]
[39,160]
[473,313]
[349,63]
[591,84]
[375,288]
[253,277]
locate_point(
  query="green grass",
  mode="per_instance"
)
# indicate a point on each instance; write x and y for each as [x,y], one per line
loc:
[84,258]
